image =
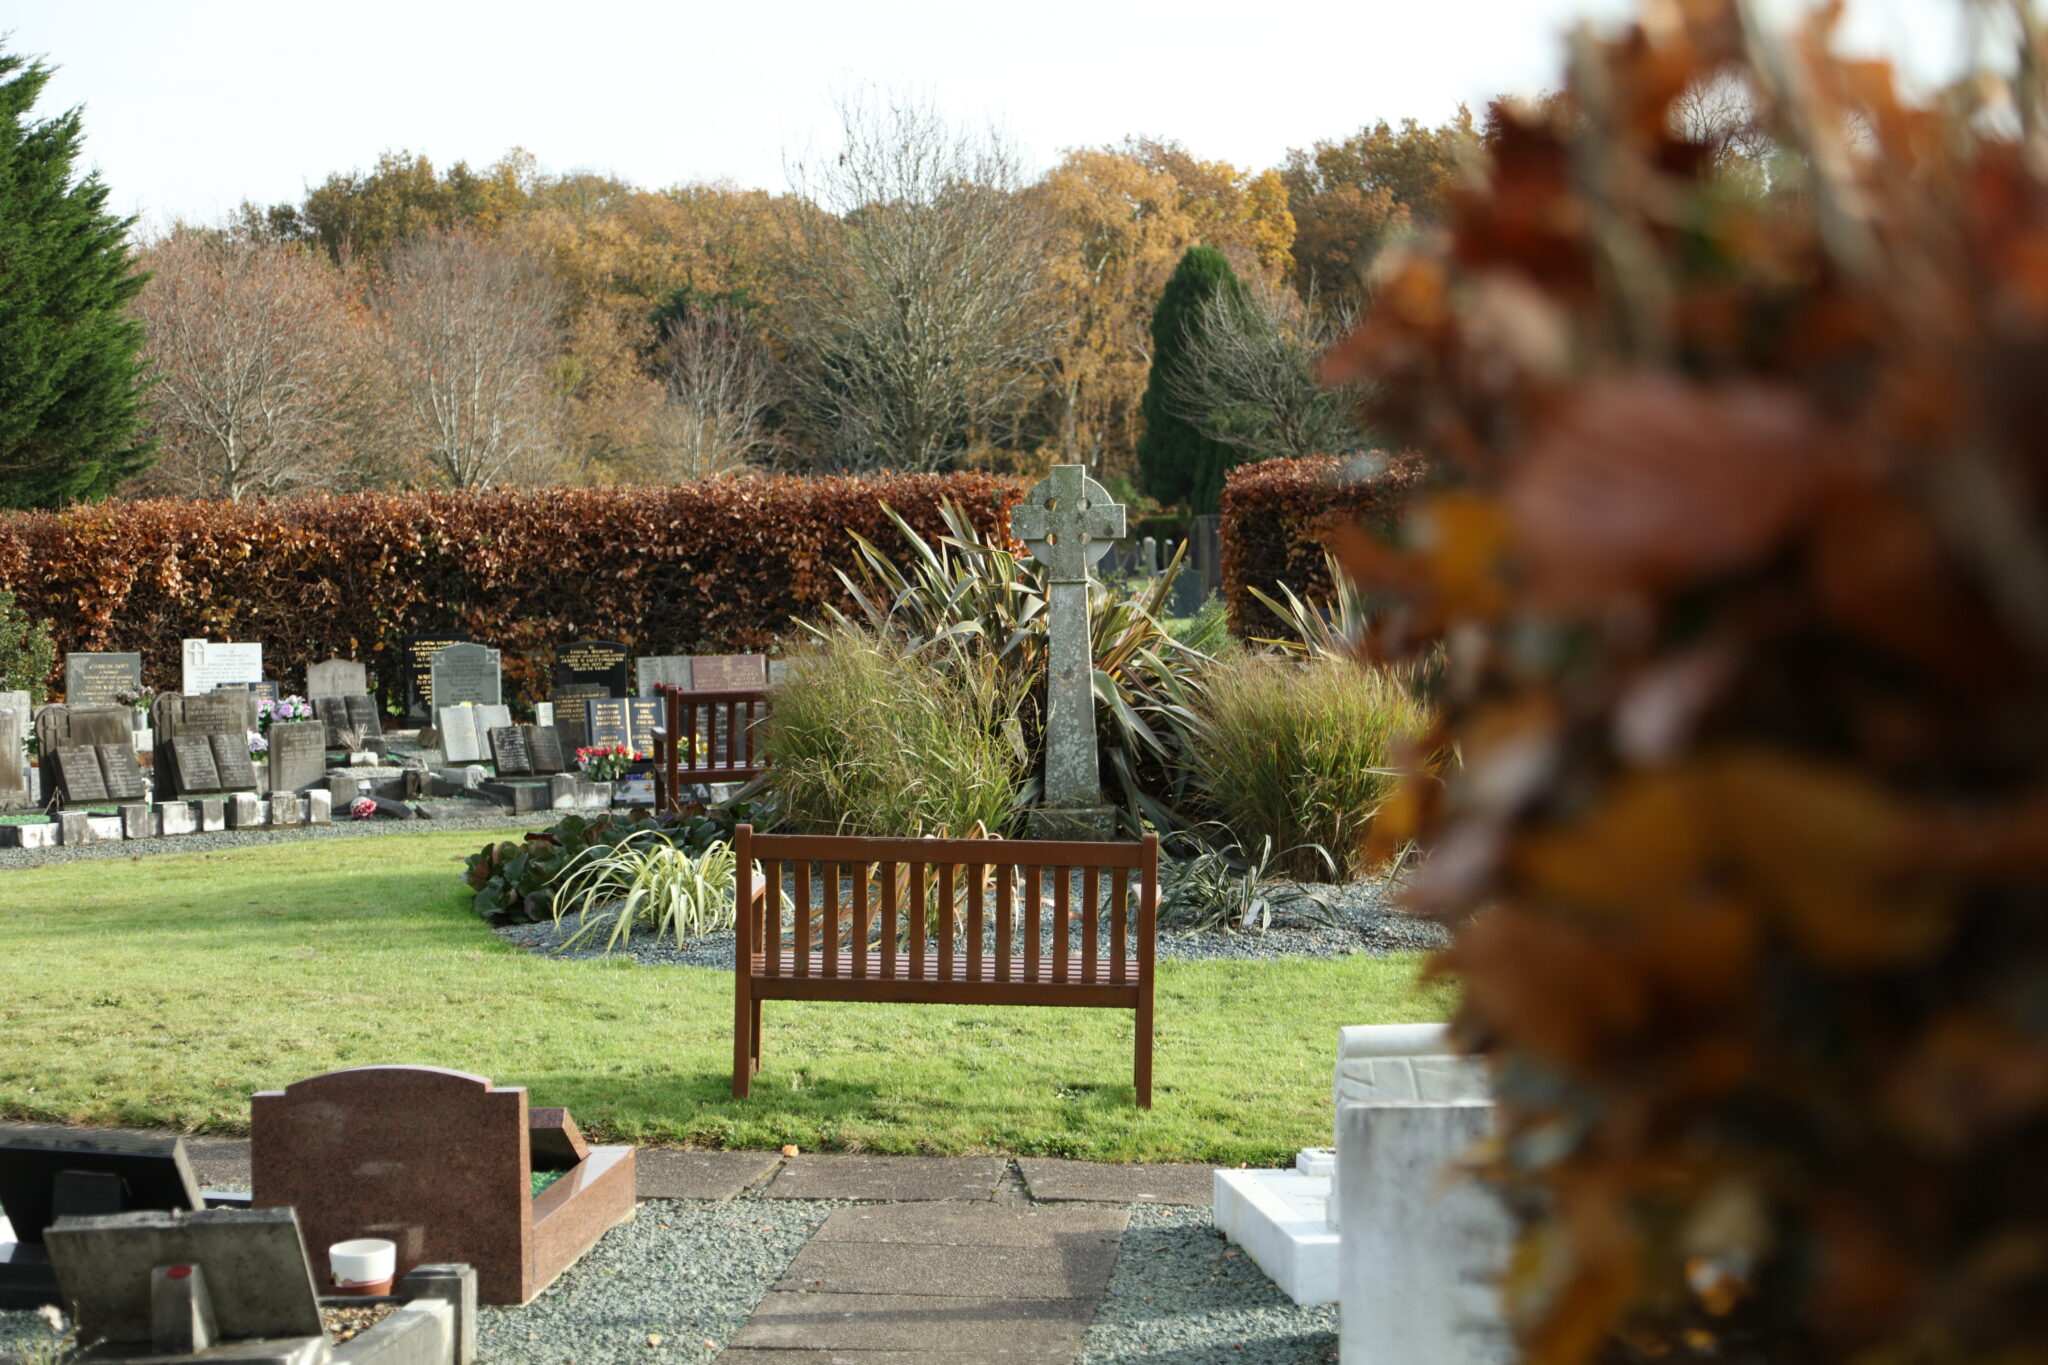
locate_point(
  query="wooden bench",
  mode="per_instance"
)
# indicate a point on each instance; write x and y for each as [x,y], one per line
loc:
[706,737]
[888,912]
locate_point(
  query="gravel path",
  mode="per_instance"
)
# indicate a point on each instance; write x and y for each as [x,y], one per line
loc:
[240,838]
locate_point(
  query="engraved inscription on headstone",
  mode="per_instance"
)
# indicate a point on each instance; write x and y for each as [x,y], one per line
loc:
[337,678]
[212,663]
[608,723]
[120,772]
[231,760]
[660,670]
[544,743]
[417,654]
[645,714]
[602,662]
[193,756]
[728,672]
[79,781]
[462,741]
[466,673]
[572,704]
[298,755]
[217,713]
[509,751]
[97,679]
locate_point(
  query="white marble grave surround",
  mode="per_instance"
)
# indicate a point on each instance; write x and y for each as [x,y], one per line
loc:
[1287,1221]
[212,663]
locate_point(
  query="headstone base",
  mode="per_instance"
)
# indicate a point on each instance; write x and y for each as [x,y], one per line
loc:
[245,811]
[1281,1219]
[213,815]
[1086,823]
[285,810]
[138,821]
[75,828]
[319,808]
[40,835]
[177,817]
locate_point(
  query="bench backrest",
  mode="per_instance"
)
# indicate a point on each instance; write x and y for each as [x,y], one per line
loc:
[709,736]
[1059,912]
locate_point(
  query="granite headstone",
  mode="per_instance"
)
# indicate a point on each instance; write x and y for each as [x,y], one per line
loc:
[231,760]
[99,679]
[417,654]
[209,664]
[644,715]
[337,678]
[728,672]
[462,739]
[466,672]
[298,755]
[660,670]
[510,753]
[544,743]
[609,723]
[79,780]
[602,663]
[192,756]
[14,790]
[120,772]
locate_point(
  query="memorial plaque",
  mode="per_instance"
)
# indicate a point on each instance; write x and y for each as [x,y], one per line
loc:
[466,673]
[601,663]
[417,654]
[120,772]
[509,751]
[646,715]
[231,759]
[728,672]
[544,745]
[608,723]
[462,741]
[192,755]
[100,679]
[78,776]
[217,713]
[337,678]
[210,664]
[298,755]
[661,670]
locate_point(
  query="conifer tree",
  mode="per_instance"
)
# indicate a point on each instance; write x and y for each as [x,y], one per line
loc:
[71,377]
[1176,463]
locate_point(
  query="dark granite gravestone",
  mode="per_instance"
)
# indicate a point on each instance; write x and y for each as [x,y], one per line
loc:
[50,1173]
[298,755]
[98,679]
[362,714]
[121,772]
[336,678]
[609,723]
[572,714]
[510,753]
[79,781]
[728,672]
[333,714]
[544,744]
[231,760]
[192,757]
[599,663]
[263,690]
[417,659]
[645,715]
[466,673]
[660,670]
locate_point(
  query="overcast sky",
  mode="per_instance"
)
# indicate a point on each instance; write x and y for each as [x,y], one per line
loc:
[191,107]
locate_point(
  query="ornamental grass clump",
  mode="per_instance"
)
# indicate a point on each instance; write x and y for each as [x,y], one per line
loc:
[647,882]
[871,737]
[1300,755]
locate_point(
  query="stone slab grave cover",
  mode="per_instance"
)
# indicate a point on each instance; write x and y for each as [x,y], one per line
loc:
[416,655]
[660,670]
[46,1173]
[466,672]
[192,762]
[337,678]
[462,737]
[231,760]
[511,755]
[298,755]
[1068,521]
[14,728]
[596,663]
[120,773]
[544,743]
[212,664]
[439,1162]
[100,679]
[79,780]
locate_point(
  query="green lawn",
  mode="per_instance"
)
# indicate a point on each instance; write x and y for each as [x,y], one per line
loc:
[162,991]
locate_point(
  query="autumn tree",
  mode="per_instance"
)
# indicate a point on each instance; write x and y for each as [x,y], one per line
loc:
[250,343]
[1353,196]
[1176,462]
[1247,374]
[919,318]
[470,333]
[718,382]
[71,381]
[371,213]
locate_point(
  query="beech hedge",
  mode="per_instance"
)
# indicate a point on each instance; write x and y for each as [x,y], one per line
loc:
[1278,517]
[711,567]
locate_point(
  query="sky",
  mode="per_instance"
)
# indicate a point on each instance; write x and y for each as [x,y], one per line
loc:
[192,107]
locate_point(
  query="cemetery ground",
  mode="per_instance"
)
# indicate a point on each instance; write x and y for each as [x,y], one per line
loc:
[163,993]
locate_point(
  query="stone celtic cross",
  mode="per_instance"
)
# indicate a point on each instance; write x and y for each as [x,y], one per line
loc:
[1068,522]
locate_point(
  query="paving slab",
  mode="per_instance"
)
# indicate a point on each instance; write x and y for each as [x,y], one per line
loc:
[1078,1269]
[1054,1180]
[888,1179]
[972,1225]
[669,1173]
[964,1328]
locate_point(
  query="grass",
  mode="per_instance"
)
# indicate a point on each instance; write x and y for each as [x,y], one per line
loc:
[162,992]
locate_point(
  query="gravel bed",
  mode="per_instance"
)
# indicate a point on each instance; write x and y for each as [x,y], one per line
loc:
[1180,1292]
[241,838]
[1367,923]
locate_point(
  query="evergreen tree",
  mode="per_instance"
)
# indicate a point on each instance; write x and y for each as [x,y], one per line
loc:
[1176,463]
[71,377]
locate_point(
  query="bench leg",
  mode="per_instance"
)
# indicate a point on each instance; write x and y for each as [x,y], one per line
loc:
[746,1014]
[1143,1047]
[757,1034]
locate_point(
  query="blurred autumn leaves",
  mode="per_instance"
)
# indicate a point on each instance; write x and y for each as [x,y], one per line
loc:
[1737,554]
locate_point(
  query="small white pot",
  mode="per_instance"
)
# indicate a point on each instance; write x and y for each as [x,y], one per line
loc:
[363,1263]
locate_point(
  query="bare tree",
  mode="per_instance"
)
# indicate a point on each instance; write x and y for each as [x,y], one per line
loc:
[251,346]
[1247,376]
[919,311]
[717,379]
[1720,115]
[471,333]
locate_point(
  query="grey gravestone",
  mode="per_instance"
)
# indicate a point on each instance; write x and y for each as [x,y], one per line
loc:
[466,673]
[728,672]
[660,670]
[608,723]
[111,725]
[298,755]
[1067,522]
[98,679]
[211,664]
[362,714]
[544,743]
[79,782]
[231,759]
[337,678]
[645,714]
[192,755]
[417,655]
[462,740]
[120,772]
[510,754]
[602,663]
[14,790]
[333,714]
[490,718]
[217,713]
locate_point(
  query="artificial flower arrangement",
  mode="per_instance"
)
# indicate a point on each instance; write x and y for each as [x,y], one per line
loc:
[362,808]
[269,711]
[607,762]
